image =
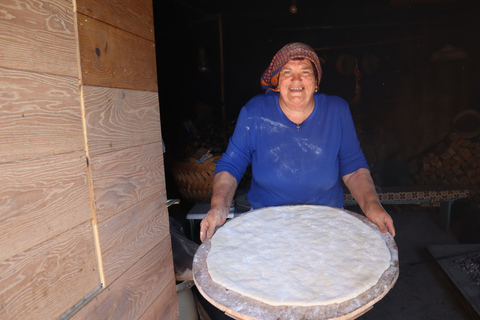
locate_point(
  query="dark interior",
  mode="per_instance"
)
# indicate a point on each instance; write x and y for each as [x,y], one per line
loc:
[213,52]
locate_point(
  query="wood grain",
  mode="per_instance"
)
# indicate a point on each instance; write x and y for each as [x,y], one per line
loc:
[135,16]
[126,177]
[165,307]
[130,234]
[120,118]
[41,198]
[132,294]
[38,36]
[111,57]
[39,115]
[45,281]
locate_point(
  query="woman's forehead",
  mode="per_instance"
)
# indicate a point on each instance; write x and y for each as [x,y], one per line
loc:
[302,62]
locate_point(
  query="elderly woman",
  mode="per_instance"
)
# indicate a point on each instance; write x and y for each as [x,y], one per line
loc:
[301,144]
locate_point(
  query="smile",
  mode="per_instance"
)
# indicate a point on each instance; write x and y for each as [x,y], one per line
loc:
[296,88]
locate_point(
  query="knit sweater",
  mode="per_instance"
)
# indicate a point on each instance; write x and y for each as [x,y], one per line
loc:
[293,165]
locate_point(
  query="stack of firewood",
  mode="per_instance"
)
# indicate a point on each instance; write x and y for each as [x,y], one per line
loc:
[455,161]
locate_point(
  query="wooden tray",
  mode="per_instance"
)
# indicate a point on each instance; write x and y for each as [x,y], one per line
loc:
[241,307]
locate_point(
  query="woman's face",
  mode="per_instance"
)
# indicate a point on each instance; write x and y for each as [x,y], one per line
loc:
[297,82]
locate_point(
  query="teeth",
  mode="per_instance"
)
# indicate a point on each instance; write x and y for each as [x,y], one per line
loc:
[299,88]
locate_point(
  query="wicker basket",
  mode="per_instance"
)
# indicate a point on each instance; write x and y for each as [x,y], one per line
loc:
[195,180]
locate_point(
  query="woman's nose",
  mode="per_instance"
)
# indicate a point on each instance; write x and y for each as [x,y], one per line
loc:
[296,76]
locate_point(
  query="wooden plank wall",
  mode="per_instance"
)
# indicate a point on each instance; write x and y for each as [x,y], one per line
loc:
[82,192]
[47,251]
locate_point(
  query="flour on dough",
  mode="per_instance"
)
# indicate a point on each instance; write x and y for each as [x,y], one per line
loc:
[298,256]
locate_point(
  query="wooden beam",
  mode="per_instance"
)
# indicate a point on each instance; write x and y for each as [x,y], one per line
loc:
[120,118]
[165,306]
[46,280]
[130,234]
[38,36]
[404,2]
[111,57]
[125,177]
[135,16]
[41,198]
[39,115]
[133,292]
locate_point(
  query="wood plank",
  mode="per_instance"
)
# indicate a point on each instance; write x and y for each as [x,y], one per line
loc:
[135,16]
[132,294]
[45,281]
[130,234]
[41,198]
[416,2]
[120,118]
[165,307]
[39,115]
[38,36]
[126,177]
[111,57]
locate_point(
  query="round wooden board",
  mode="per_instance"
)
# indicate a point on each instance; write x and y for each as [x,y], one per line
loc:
[242,307]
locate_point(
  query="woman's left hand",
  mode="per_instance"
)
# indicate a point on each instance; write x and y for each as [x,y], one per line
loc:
[361,186]
[382,219]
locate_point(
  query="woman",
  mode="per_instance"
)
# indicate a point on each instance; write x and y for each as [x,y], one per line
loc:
[301,144]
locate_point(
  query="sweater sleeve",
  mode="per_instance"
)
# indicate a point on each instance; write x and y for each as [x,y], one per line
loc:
[238,154]
[351,157]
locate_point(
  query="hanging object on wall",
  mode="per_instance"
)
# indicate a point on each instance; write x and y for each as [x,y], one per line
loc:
[293,8]
[347,64]
[202,60]
[370,63]
[448,52]
[358,93]
[467,123]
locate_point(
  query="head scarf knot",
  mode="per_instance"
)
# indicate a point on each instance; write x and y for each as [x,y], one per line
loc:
[293,50]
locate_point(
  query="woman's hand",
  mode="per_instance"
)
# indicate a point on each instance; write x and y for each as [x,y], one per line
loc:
[224,186]
[382,219]
[214,218]
[361,186]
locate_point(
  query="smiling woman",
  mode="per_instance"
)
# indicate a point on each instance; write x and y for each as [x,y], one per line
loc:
[296,86]
[301,145]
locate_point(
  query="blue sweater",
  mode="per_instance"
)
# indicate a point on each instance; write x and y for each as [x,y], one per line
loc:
[291,166]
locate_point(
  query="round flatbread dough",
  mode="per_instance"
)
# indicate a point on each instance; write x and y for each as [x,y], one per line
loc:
[298,255]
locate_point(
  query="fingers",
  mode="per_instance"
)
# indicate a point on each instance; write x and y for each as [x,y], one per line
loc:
[205,227]
[203,230]
[391,228]
[385,224]
[210,231]
[382,227]
[208,225]
[383,221]
[206,230]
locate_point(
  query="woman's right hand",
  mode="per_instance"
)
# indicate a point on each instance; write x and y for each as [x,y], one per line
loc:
[224,186]
[214,218]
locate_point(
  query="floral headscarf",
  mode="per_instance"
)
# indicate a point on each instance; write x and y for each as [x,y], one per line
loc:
[293,50]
